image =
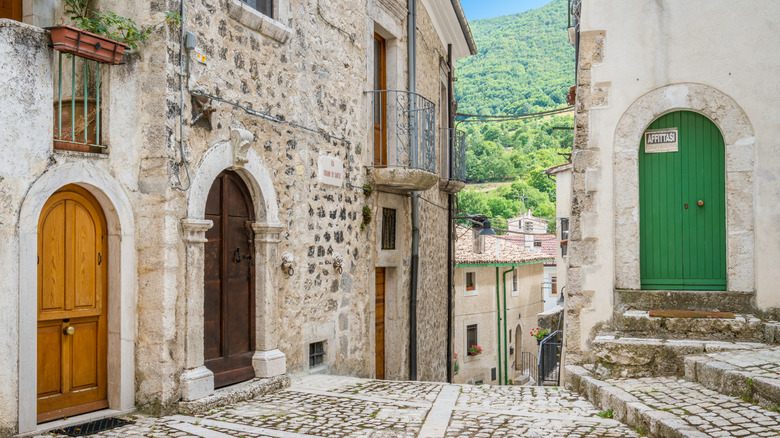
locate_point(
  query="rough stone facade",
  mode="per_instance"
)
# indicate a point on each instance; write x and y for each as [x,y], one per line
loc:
[634,67]
[288,93]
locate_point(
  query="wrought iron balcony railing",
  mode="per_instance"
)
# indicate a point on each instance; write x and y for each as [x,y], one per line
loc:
[458,169]
[404,130]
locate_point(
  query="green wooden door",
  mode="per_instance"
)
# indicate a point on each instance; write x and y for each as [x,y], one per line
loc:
[682,244]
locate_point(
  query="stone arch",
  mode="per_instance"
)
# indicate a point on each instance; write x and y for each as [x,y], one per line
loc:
[197,381]
[121,290]
[738,136]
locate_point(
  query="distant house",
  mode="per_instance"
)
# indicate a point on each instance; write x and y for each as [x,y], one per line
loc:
[498,294]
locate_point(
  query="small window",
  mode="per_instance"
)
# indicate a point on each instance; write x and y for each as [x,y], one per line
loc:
[316,354]
[537,244]
[553,285]
[388,228]
[265,7]
[515,281]
[493,373]
[564,228]
[471,282]
[471,337]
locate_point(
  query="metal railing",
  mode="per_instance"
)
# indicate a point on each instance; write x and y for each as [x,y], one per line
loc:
[527,363]
[574,12]
[404,130]
[549,359]
[77,115]
[454,169]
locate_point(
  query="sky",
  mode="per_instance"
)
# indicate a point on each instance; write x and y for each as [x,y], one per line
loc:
[478,9]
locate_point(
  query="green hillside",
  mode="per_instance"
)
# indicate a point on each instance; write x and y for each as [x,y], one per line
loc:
[525,63]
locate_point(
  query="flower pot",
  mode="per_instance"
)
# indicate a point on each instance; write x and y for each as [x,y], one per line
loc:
[87,45]
[74,141]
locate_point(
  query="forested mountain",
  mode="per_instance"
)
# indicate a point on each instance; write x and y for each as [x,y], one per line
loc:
[525,63]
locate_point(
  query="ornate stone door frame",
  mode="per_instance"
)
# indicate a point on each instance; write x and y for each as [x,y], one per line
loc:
[197,381]
[739,139]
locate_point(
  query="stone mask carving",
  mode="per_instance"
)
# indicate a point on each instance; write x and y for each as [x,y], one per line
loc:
[240,140]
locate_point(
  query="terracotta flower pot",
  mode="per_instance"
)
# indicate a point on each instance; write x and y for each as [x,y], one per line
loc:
[79,42]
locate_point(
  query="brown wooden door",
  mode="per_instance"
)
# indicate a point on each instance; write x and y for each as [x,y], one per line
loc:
[72,303]
[229,282]
[11,9]
[380,323]
[380,102]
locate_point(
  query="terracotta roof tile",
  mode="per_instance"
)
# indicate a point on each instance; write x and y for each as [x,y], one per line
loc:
[509,250]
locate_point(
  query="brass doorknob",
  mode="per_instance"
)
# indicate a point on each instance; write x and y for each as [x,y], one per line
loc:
[69,330]
[700,203]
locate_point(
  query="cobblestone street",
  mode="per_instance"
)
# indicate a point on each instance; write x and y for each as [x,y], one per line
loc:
[350,407]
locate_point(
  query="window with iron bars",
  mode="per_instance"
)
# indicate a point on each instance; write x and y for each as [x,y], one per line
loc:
[316,354]
[388,228]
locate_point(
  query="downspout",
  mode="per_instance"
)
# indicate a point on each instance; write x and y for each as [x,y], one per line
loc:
[415,201]
[498,322]
[450,224]
[506,356]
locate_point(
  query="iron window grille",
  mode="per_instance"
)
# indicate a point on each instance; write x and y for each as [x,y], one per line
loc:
[471,337]
[265,7]
[388,228]
[77,107]
[316,354]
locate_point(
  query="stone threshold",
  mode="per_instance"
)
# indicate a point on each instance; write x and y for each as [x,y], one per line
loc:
[627,408]
[235,393]
[75,421]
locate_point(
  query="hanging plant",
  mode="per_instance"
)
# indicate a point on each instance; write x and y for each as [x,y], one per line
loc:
[366,218]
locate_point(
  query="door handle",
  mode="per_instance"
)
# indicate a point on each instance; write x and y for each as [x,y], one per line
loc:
[69,330]
[700,203]
[237,256]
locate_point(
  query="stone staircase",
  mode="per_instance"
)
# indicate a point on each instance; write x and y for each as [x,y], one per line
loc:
[640,345]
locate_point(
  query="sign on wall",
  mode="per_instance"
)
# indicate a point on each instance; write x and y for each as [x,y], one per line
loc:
[331,170]
[661,140]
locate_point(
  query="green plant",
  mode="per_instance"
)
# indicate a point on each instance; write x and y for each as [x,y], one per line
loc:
[540,333]
[367,189]
[456,365]
[366,218]
[474,350]
[606,414]
[111,25]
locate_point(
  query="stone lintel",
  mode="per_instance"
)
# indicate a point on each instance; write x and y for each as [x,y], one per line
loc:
[267,233]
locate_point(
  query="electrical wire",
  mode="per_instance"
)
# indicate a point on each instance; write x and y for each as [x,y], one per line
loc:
[480,118]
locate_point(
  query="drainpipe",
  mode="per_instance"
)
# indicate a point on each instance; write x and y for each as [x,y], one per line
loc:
[450,223]
[415,201]
[506,356]
[498,321]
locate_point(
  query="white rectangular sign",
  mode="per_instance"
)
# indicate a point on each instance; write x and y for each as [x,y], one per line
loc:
[331,170]
[661,140]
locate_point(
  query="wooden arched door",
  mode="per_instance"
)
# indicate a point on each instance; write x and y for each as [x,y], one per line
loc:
[682,204]
[229,305]
[72,303]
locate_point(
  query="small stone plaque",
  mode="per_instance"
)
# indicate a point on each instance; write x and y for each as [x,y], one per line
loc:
[331,170]
[661,140]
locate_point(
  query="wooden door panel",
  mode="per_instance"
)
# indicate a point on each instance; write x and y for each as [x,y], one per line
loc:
[379,332]
[72,288]
[84,355]
[11,9]
[51,259]
[229,282]
[49,358]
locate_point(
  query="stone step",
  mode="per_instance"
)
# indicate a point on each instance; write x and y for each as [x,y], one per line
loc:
[620,356]
[752,375]
[667,407]
[639,323]
[725,301]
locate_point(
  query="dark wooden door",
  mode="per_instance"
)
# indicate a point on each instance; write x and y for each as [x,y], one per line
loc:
[72,303]
[380,323]
[11,9]
[682,202]
[229,304]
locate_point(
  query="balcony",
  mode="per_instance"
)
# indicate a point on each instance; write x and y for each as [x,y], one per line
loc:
[454,170]
[404,141]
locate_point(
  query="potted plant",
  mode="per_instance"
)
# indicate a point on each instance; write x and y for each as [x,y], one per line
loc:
[456,366]
[99,36]
[475,350]
[540,333]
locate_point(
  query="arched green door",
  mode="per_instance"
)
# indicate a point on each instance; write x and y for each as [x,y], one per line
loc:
[682,202]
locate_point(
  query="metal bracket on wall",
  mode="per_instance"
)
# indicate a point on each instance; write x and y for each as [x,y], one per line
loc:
[202,109]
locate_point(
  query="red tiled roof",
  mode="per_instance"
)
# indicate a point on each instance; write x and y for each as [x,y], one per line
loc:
[549,246]
[509,251]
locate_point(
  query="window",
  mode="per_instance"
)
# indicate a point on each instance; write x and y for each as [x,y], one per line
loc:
[265,7]
[537,243]
[380,100]
[388,228]
[471,283]
[553,285]
[564,235]
[515,281]
[471,337]
[316,354]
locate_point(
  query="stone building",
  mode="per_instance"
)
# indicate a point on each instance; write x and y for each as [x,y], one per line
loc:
[498,294]
[674,170]
[243,203]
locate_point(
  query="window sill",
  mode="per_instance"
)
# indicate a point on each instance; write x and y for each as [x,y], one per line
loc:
[254,20]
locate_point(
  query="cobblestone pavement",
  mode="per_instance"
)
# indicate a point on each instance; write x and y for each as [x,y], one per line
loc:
[327,406]
[764,362]
[712,413]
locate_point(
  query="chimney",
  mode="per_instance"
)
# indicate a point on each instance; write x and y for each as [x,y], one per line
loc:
[478,242]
